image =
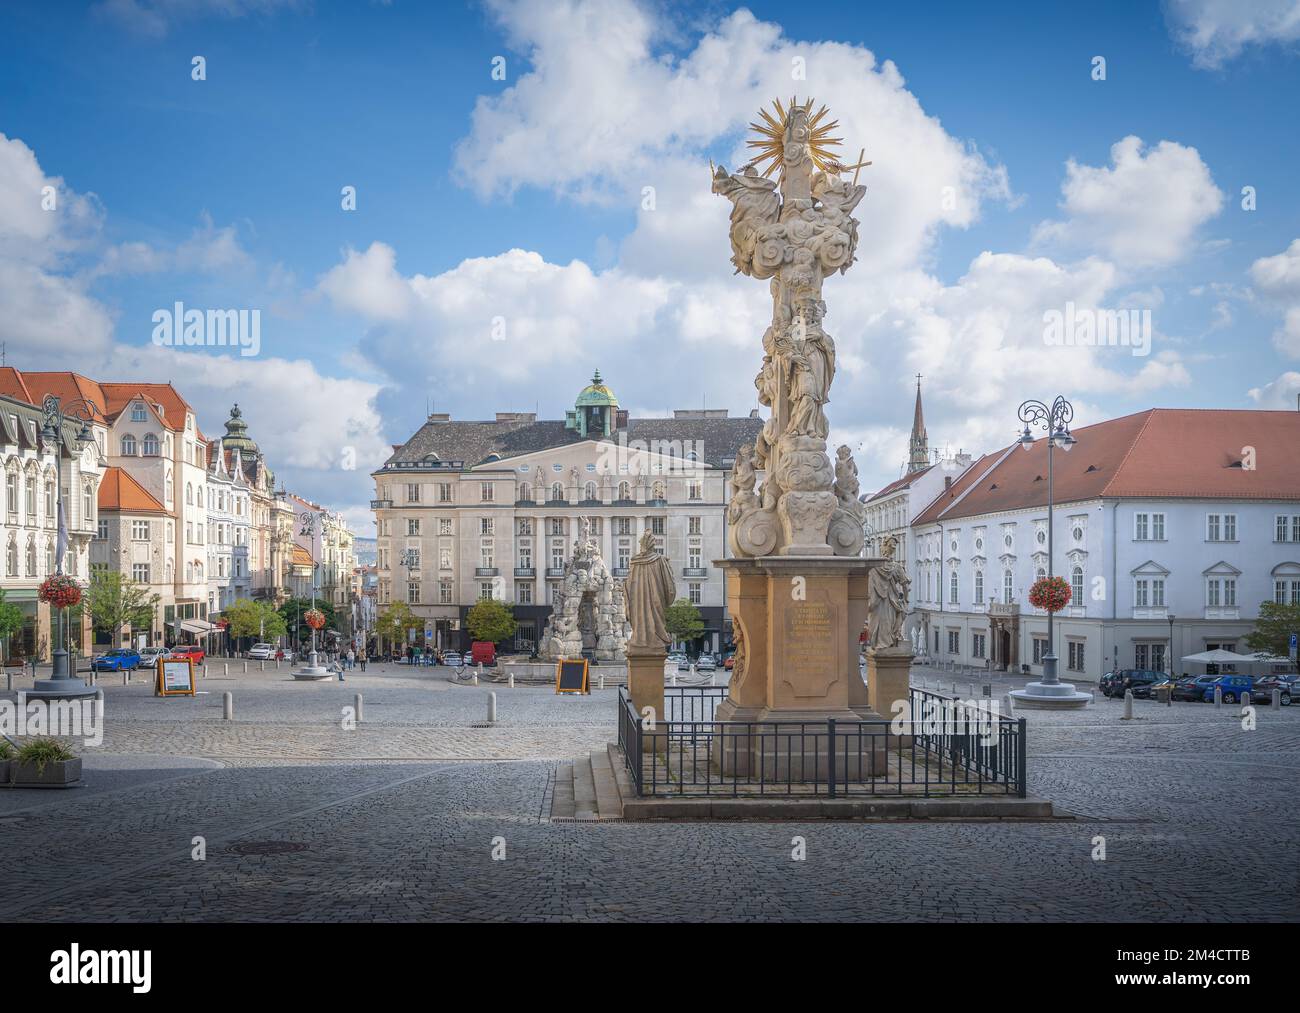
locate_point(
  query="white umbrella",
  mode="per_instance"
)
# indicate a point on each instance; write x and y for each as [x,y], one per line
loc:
[1219,657]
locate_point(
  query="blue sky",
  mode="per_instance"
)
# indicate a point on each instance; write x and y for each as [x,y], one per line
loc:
[523,199]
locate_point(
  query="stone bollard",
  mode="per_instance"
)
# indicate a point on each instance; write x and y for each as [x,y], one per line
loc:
[261,666]
[228,706]
[492,707]
[1008,701]
[358,704]
[225,668]
[245,667]
[1218,697]
[277,664]
[672,679]
[511,680]
[601,681]
[99,698]
[473,678]
[92,676]
[1128,705]
[126,677]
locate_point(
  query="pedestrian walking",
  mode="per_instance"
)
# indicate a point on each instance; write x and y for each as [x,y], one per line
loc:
[352,657]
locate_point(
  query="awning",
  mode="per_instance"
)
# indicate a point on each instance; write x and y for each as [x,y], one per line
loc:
[198,626]
[1219,657]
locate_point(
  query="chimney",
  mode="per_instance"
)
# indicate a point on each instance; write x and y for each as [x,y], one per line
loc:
[439,417]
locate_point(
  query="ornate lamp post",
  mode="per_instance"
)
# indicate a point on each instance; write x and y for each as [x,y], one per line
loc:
[1171,618]
[1049,691]
[411,560]
[62,684]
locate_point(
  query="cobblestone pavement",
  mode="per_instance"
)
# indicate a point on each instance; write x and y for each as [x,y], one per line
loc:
[399,817]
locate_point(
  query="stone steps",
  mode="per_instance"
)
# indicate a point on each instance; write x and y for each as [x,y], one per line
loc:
[592,788]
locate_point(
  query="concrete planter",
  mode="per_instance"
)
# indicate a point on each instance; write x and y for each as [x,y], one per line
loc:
[57,774]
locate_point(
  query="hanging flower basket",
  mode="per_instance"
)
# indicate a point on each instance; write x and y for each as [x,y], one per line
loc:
[1051,594]
[314,618]
[60,591]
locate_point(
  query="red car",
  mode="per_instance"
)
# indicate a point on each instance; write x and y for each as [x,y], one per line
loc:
[193,651]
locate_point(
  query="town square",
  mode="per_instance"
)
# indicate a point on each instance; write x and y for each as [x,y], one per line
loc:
[649,462]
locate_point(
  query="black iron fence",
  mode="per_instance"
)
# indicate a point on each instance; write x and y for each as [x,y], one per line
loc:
[938,746]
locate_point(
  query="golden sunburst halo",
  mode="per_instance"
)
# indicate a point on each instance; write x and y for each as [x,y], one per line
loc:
[771,130]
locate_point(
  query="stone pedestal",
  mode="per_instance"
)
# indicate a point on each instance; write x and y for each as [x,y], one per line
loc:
[798,620]
[645,687]
[888,683]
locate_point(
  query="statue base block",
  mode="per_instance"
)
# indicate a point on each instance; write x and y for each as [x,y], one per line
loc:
[645,686]
[798,622]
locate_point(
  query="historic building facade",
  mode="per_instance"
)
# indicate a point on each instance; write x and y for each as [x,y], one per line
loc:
[30,517]
[1171,525]
[468,510]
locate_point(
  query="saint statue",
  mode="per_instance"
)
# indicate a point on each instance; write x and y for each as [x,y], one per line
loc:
[887,591]
[650,590]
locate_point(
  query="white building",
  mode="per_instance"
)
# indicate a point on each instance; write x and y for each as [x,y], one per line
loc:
[466,510]
[228,519]
[1171,525]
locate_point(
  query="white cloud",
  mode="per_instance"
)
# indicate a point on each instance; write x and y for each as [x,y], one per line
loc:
[1278,394]
[1217,31]
[1277,279]
[1142,211]
[155,18]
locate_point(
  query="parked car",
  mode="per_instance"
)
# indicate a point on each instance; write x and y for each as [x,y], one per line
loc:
[1262,691]
[1233,688]
[285,654]
[452,658]
[1140,680]
[150,656]
[193,651]
[483,652]
[683,663]
[730,662]
[261,652]
[1193,688]
[119,659]
[706,664]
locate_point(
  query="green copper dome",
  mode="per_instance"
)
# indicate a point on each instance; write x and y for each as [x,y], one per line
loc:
[596,394]
[237,435]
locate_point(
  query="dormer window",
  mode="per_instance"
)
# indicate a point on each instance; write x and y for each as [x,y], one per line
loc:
[139,413]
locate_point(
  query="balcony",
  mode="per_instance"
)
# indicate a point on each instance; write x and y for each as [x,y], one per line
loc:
[486,571]
[381,504]
[695,571]
[1222,612]
[555,571]
[525,571]
[525,502]
[619,571]
[624,502]
[656,502]
[557,502]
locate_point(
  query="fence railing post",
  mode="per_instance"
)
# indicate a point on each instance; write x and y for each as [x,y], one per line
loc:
[830,757]
[1021,751]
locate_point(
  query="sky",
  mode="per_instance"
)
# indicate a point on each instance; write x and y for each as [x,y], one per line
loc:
[532,202]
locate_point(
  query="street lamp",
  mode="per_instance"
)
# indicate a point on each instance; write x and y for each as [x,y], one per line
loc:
[308,530]
[1049,691]
[62,685]
[1171,618]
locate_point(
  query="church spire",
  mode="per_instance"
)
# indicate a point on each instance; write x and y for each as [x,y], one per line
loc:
[918,446]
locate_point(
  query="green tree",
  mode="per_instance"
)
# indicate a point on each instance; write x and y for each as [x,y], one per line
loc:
[1274,627]
[395,621]
[683,620]
[249,617]
[115,601]
[293,610]
[489,619]
[11,620]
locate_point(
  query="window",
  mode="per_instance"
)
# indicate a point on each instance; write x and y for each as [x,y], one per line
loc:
[1288,529]
[952,590]
[624,491]
[1221,527]
[622,525]
[659,491]
[485,590]
[693,556]
[589,491]
[445,493]
[979,590]
[1040,649]
[557,525]
[189,494]
[1221,592]
[1142,593]
[656,525]
[29,497]
[413,592]
[138,412]
[150,445]
[954,641]
[1157,535]
[525,526]
[444,592]
[693,525]
[1008,593]
[486,555]
[977,645]
[412,525]
[140,531]
[140,573]
[87,502]
[696,595]
[524,592]
[412,492]
[557,556]
[102,533]
[526,557]
[695,490]
[486,526]
[1141,527]
[486,492]
[128,445]
[1075,652]
[444,526]
[49,500]
[557,491]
